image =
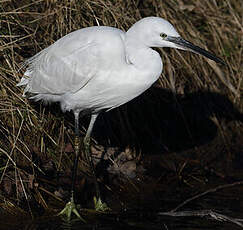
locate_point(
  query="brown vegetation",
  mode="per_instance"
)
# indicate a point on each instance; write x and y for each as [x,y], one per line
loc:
[36,139]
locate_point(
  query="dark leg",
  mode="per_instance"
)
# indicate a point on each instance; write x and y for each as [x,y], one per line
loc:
[99,206]
[70,206]
[76,151]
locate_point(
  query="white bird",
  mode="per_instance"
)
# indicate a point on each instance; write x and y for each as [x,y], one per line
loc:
[99,68]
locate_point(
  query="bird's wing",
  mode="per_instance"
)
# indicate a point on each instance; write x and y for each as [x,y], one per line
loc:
[66,66]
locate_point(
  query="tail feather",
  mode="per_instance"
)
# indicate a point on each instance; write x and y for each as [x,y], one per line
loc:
[23,81]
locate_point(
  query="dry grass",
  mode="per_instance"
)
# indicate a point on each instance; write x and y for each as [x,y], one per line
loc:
[30,132]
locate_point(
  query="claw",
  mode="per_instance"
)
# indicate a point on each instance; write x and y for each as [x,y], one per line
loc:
[68,210]
[100,206]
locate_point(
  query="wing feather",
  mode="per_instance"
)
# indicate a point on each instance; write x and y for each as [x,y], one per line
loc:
[65,66]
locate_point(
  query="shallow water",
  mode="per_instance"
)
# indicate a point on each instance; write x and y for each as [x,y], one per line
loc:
[130,220]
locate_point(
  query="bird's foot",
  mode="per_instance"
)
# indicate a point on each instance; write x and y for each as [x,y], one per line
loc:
[100,206]
[68,210]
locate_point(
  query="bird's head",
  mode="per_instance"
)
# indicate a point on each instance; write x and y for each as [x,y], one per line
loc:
[158,32]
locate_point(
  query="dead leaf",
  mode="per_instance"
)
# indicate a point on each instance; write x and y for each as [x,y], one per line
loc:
[69,148]
[186,7]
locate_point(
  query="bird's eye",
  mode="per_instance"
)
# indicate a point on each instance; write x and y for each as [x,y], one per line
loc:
[163,35]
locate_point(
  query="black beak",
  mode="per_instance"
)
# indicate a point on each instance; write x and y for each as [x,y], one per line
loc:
[186,45]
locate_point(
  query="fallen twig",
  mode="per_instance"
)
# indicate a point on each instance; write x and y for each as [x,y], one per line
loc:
[204,213]
[206,192]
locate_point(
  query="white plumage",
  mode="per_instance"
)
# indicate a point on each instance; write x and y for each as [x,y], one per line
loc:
[99,68]
[94,69]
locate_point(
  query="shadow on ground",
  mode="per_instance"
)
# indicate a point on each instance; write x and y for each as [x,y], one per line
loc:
[161,121]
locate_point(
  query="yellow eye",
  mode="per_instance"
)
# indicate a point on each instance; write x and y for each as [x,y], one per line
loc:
[163,35]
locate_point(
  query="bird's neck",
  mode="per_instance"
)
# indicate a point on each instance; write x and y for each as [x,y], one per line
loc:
[142,57]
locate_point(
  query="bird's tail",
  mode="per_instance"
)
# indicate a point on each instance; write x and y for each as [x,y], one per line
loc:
[25,82]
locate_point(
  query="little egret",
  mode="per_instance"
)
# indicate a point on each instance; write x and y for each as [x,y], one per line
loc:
[97,69]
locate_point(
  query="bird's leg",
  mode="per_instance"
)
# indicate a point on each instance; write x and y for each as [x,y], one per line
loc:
[88,156]
[99,205]
[70,206]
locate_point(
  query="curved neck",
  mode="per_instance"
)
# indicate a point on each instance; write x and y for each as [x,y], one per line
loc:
[142,57]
